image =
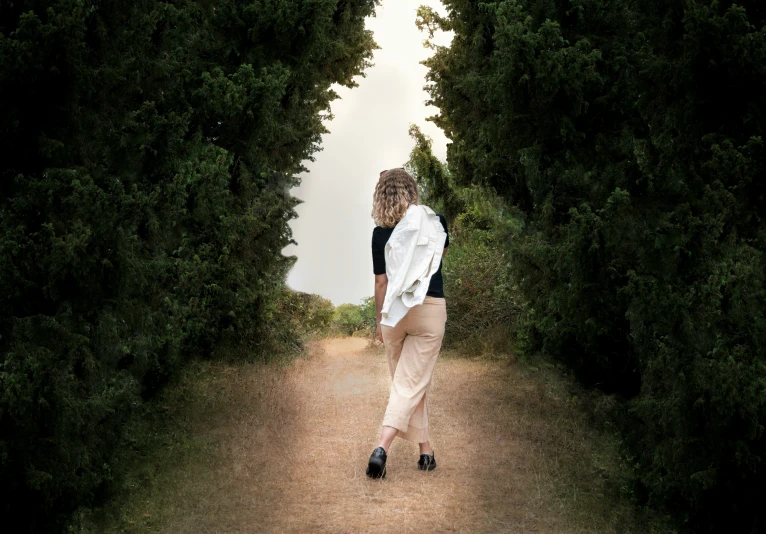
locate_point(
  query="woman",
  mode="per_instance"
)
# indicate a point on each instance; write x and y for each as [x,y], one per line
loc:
[413,344]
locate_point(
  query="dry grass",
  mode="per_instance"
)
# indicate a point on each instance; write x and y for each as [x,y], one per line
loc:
[284,449]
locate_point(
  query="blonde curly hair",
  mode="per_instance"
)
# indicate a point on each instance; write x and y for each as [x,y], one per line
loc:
[394,193]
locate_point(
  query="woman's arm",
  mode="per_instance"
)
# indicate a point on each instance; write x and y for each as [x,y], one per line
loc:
[381,284]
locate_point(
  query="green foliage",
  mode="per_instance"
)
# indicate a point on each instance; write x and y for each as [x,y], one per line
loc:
[352,318]
[477,283]
[149,149]
[435,187]
[629,137]
[305,313]
[367,309]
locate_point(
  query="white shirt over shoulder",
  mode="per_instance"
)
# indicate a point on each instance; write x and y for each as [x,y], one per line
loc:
[413,254]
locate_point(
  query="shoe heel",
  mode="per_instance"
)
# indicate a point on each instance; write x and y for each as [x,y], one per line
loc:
[375,470]
[427,462]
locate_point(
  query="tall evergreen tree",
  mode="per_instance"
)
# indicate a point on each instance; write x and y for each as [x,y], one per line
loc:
[629,137]
[148,152]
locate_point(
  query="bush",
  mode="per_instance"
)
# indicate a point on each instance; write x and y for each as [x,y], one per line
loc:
[481,297]
[355,318]
[306,314]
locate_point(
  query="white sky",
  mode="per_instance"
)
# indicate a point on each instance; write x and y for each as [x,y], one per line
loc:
[369,134]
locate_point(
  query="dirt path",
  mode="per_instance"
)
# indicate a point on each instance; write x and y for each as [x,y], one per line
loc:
[295,453]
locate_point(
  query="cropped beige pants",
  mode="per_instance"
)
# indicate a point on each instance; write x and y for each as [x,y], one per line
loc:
[412,347]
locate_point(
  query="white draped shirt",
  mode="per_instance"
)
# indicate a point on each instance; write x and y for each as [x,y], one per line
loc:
[413,254]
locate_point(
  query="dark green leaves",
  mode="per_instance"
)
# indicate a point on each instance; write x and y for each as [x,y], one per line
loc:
[630,135]
[149,148]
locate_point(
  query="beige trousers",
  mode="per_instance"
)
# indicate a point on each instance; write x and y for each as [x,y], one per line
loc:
[412,347]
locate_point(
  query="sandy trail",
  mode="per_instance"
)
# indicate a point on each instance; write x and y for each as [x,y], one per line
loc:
[294,455]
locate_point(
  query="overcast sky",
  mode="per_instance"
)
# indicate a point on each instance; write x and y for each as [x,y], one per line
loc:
[369,134]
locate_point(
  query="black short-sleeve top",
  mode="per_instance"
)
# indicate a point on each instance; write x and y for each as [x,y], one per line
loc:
[380,237]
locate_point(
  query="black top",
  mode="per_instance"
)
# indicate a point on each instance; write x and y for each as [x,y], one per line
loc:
[380,237]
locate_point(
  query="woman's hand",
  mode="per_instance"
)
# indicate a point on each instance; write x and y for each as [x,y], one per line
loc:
[380,333]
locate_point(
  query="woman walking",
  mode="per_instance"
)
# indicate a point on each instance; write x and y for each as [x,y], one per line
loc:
[407,247]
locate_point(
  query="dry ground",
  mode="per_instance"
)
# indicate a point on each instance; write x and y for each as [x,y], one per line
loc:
[292,443]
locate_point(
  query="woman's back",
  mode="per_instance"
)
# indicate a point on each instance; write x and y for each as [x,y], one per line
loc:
[380,237]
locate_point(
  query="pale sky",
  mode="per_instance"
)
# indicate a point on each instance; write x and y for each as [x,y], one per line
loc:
[369,134]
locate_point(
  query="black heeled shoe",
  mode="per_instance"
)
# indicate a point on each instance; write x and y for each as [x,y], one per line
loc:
[377,465]
[427,462]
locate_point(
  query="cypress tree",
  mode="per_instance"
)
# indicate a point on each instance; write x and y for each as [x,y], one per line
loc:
[149,148]
[629,137]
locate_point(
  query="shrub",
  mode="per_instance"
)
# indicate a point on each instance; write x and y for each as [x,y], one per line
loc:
[353,318]
[481,297]
[305,314]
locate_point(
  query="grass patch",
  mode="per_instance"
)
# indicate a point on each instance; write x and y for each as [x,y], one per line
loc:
[577,462]
[173,450]
[204,451]
[166,455]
